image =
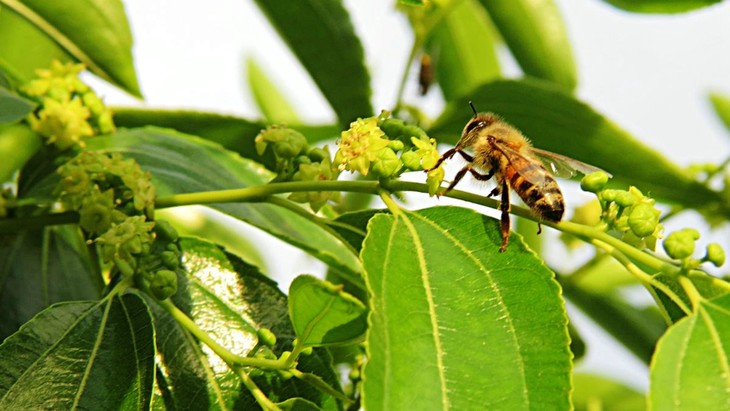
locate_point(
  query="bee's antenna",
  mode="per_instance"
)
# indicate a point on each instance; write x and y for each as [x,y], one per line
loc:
[473,108]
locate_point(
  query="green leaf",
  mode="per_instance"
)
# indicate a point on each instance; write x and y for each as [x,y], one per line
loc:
[689,370]
[554,120]
[22,142]
[234,133]
[661,6]
[269,99]
[167,155]
[15,59]
[594,392]
[320,34]
[81,355]
[13,108]
[323,314]
[104,44]
[352,226]
[463,47]
[465,326]
[229,300]
[721,104]
[535,34]
[42,267]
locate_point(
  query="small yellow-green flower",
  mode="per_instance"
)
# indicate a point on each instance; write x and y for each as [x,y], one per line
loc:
[429,155]
[62,123]
[360,145]
[59,81]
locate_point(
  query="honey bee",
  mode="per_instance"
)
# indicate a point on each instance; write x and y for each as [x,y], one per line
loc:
[501,151]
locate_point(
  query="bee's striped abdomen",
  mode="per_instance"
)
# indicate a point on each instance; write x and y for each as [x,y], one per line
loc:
[545,199]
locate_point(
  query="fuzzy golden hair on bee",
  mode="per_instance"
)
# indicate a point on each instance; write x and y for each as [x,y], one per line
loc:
[497,149]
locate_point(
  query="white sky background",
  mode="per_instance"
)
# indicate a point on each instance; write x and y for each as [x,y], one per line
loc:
[649,74]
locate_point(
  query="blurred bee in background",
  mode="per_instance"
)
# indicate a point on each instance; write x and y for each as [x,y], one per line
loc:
[501,151]
[425,73]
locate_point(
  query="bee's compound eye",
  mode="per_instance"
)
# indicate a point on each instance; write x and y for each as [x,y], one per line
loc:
[474,124]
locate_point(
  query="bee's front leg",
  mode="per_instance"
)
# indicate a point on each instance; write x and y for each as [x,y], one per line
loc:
[479,176]
[504,207]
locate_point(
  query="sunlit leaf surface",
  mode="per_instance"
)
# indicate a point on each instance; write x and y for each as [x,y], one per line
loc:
[466,326]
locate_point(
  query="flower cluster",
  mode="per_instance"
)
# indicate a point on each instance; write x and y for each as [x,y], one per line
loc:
[297,161]
[115,202]
[635,217]
[69,110]
[105,188]
[372,145]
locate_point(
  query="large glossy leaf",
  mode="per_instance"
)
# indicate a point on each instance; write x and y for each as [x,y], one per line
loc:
[234,133]
[42,267]
[183,164]
[81,355]
[457,325]
[689,370]
[463,47]
[30,48]
[229,300]
[554,120]
[535,34]
[93,32]
[661,6]
[320,34]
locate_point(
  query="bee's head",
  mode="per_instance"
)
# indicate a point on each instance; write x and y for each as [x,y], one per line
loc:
[475,126]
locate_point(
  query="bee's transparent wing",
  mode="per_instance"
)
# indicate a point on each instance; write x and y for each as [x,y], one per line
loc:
[563,166]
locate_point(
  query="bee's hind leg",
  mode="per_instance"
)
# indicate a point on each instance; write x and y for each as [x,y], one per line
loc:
[539,228]
[504,207]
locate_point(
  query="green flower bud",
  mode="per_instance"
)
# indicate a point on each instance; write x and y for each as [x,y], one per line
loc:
[303,160]
[307,351]
[165,231]
[170,259]
[681,244]
[643,219]
[624,199]
[317,155]
[396,145]
[715,254]
[286,142]
[266,337]
[163,284]
[608,195]
[386,164]
[414,131]
[411,160]
[392,127]
[594,182]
